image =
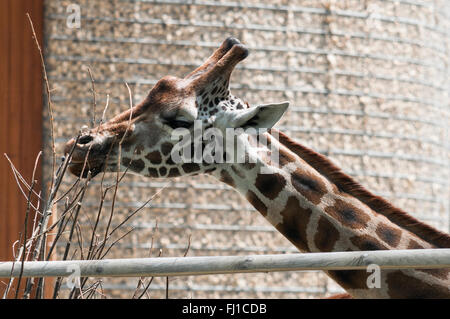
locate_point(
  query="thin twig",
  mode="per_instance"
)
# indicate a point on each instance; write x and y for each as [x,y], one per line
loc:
[141,279]
[118,171]
[41,229]
[189,246]
[33,183]
[67,192]
[62,226]
[116,241]
[99,211]
[69,242]
[94,101]
[80,240]
[22,254]
[138,209]
[94,230]
[102,120]
[167,287]
[49,99]
[150,281]
[19,178]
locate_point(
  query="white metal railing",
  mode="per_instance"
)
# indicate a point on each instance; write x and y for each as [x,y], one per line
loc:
[192,266]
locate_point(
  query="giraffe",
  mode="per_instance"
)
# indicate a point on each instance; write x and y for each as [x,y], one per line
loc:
[309,200]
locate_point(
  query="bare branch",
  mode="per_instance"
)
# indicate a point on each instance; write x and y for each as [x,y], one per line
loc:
[94,101]
[49,99]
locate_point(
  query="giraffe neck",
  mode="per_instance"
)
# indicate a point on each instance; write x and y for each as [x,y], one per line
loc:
[315,215]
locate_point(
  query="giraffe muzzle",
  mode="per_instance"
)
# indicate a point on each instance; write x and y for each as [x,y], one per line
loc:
[229,44]
[88,155]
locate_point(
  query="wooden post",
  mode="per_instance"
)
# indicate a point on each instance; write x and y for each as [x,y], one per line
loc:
[21,101]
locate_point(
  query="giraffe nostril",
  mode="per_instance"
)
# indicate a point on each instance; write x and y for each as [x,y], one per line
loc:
[85,139]
[230,41]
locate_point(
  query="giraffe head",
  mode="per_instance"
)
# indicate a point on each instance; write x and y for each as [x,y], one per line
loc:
[143,136]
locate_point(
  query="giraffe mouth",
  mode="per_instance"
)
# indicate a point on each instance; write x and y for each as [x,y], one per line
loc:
[88,156]
[83,169]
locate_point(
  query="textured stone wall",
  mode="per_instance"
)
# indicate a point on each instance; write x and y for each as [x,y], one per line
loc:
[368,83]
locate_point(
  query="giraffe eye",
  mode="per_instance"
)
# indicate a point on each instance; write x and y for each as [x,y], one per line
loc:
[178,124]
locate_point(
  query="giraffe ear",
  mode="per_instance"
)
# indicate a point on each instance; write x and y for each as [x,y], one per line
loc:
[260,117]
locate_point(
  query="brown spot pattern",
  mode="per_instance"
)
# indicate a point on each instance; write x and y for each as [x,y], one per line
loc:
[270,185]
[388,234]
[190,167]
[414,245]
[226,178]
[326,236]
[173,172]
[126,148]
[350,279]
[404,286]
[366,242]
[162,171]
[249,165]
[256,202]
[348,215]
[154,157]
[139,149]
[166,148]
[208,169]
[310,187]
[169,161]
[237,172]
[295,223]
[153,172]
[438,273]
[136,165]
[285,158]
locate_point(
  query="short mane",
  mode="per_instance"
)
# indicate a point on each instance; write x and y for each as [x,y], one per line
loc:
[345,183]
